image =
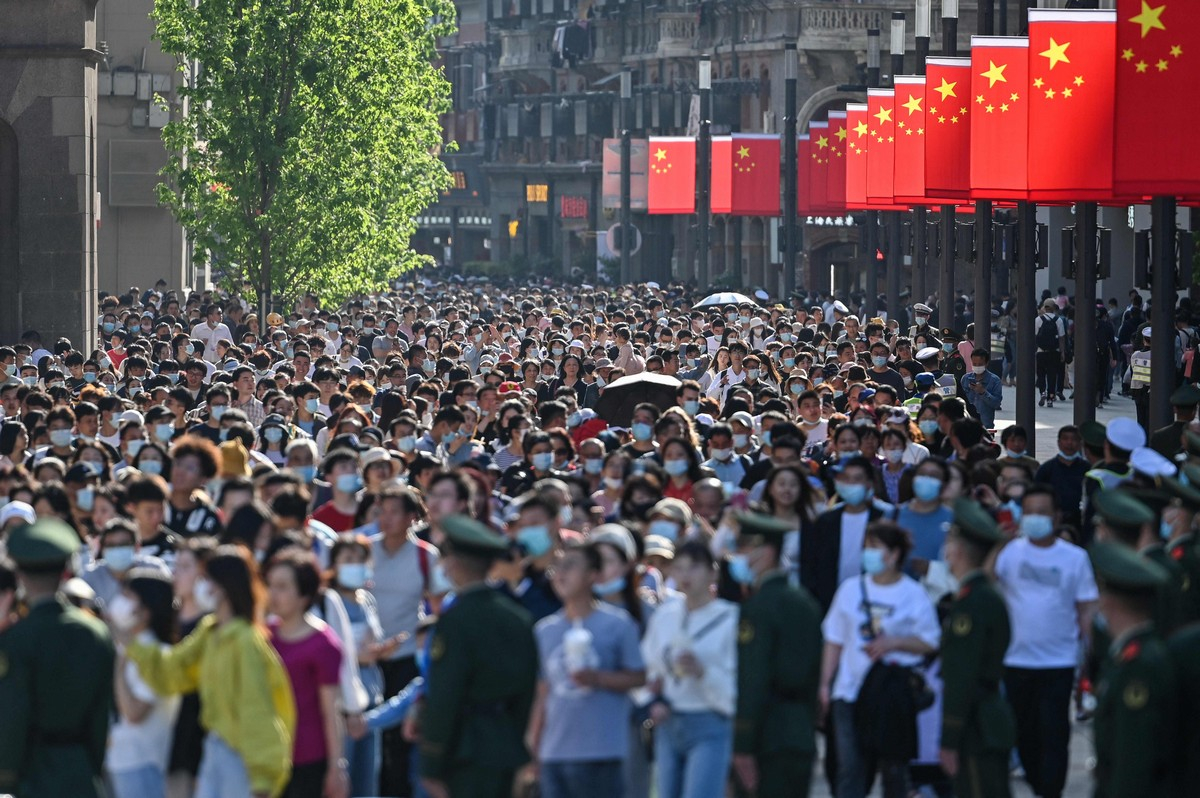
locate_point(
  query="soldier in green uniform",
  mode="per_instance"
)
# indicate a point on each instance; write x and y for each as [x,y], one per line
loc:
[1121,437]
[779,667]
[483,668]
[978,730]
[1137,699]
[56,677]
[1184,648]
[1178,520]
[952,360]
[1168,441]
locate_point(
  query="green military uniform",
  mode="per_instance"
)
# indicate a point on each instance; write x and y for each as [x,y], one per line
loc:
[1183,548]
[1168,441]
[1184,650]
[1169,615]
[779,670]
[1137,698]
[56,679]
[1118,509]
[483,668]
[953,363]
[977,722]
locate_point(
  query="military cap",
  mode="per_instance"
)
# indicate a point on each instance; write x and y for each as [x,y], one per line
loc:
[759,525]
[43,546]
[949,335]
[1189,474]
[921,307]
[1153,498]
[1120,569]
[1093,434]
[975,524]
[1121,509]
[1186,395]
[468,536]
[1191,443]
[1187,495]
[927,353]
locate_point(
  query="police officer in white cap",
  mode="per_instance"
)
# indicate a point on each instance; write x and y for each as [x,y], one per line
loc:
[1121,438]
[921,314]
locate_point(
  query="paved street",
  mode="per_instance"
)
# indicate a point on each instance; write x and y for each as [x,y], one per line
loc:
[1050,419]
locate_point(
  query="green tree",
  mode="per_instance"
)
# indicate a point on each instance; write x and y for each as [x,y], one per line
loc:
[307,138]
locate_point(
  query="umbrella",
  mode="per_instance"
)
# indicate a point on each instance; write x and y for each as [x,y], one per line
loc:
[618,399]
[722,298]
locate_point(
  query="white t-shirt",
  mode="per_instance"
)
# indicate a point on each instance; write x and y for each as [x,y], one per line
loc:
[901,609]
[1042,587]
[135,745]
[854,531]
[711,634]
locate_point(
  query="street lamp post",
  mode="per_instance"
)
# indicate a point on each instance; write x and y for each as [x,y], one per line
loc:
[895,219]
[1162,297]
[627,238]
[946,281]
[791,68]
[872,245]
[920,213]
[1025,347]
[983,231]
[703,166]
[1086,251]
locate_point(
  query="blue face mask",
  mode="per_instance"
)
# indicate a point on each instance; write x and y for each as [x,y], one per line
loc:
[740,570]
[872,561]
[163,432]
[852,494]
[535,540]
[311,405]
[926,488]
[691,407]
[119,558]
[1069,457]
[797,388]
[664,528]
[306,472]
[1164,529]
[542,461]
[348,483]
[766,438]
[675,468]
[642,431]
[610,587]
[593,466]
[216,411]
[273,434]
[61,438]
[1012,453]
[789,362]
[879,360]
[1036,527]
[85,499]
[89,377]
[928,427]
[1013,507]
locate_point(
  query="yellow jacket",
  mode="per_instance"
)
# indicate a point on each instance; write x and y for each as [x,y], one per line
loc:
[245,695]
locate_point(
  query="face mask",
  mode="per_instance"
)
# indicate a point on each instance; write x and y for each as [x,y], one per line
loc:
[741,441]
[163,432]
[1013,507]
[542,461]
[766,438]
[172,378]
[439,583]
[273,434]
[872,561]
[557,351]
[205,595]
[664,528]
[1164,529]
[721,455]
[61,438]
[600,383]
[908,382]
[306,472]
[566,514]
[311,405]
[1036,527]
[852,494]
[926,488]
[691,407]
[1069,457]
[429,366]
[122,611]
[947,348]
[740,570]
[450,437]
[693,362]
[838,394]
[85,499]
[610,587]
[675,468]
[928,427]
[593,466]
[818,380]
[786,337]
[108,327]
[752,373]
[154,467]
[642,431]
[535,540]
[893,455]
[119,558]
[88,376]
[574,420]
[879,360]
[407,443]
[134,390]
[30,381]
[978,370]
[1012,453]
[789,362]
[613,483]
[353,575]
[348,483]
[920,320]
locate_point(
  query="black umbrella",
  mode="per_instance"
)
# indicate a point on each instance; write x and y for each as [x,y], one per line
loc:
[618,400]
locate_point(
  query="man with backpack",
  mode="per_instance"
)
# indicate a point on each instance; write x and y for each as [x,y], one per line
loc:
[1050,331]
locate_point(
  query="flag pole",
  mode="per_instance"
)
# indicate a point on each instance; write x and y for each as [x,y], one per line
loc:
[946,282]
[895,219]
[1163,298]
[1085,311]
[791,234]
[627,238]
[920,213]
[1025,347]
[871,295]
[703,166]
[983,231]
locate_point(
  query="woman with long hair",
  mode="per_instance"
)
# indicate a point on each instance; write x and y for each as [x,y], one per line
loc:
[682,464]
[245,697]
[789,496]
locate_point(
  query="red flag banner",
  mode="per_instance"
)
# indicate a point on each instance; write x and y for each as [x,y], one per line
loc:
[1158,71]
[881,154]
[856,156]
[999,117]
[818,133]
[835,178]
[755,174]
[672,179]
[804,170]
[910,139]
[947,142]
[720,195]
[1072,74]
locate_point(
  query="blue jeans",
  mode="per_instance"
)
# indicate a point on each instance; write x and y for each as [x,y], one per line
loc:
[363,758]
[692,752]
[222,771]
[146,781]
[603,779]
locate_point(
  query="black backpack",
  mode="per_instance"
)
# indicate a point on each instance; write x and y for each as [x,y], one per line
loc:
[1047,334]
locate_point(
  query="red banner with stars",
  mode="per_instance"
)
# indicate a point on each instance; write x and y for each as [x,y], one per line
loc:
[672,175]
[856,156]
[947,142]
[804,206]
[1156,114]
[754,174]
[819,166]
[720,192]
[835,175]
[998,112]
[881,152]
[1072,74]
[909,184]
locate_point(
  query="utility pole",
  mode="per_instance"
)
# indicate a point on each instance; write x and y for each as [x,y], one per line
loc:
[920,213]
[983,231]
[870,302]
[946,281]
[791,230]
[704,167]
[895,219]
[626,237]
[1162,308]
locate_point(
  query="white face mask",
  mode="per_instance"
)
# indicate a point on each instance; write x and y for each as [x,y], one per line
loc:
[978,370]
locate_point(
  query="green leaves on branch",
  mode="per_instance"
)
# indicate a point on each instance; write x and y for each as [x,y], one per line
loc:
[310,136]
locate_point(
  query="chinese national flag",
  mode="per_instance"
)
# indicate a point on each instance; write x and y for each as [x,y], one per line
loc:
[1157,116]
[947,137]
[755,174]
[998,111]
[804,205]
[881,154]
[720,195]
[856,156]
[818,133]
[672,180]
[1072,73]
[910,139]
[835,178]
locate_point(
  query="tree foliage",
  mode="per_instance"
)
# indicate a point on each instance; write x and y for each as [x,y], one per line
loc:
[308,138]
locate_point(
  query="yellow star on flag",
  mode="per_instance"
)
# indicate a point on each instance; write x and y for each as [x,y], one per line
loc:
[941,119]
[1078,80]
[1003,106]
[920,131]
[954,119]
[1176,50]
[1127,55]
[900,125]
[1038,83]
[946,89]
[1150,18]
[884,115]
[1014,96]
[908,132]
[822,142]
[979,99]
[962,110]
[990,108]
[660,154]
[913,105]
[1049,94]
[744,151]
[841,134]
[995,74]
[861,129]
[1067,92]
[1057,53]
[1141,66]
[1162,65]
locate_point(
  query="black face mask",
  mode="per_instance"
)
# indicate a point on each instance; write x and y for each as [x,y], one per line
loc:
[638,511]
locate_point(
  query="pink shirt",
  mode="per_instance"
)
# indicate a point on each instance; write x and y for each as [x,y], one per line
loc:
[311,663]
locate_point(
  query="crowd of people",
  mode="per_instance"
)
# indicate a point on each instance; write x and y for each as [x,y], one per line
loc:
[460,539]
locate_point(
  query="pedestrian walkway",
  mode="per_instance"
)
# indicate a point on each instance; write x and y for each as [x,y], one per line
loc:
[1050,419]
